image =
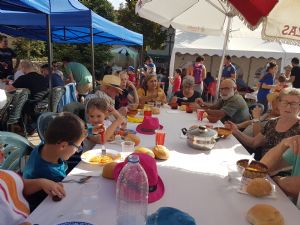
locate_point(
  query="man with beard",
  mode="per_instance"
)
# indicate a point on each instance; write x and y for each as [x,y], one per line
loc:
[231,105]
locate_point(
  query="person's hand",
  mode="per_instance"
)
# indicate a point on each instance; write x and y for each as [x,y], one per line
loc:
[293,143]
[130,84]
[199,101]
[99,128]
[230,125]
[52,188]
[123,111]
[256,112]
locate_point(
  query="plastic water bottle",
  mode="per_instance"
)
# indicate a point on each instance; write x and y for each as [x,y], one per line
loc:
[132,193]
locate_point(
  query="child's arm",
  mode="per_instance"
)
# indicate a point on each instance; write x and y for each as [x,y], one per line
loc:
[50,187]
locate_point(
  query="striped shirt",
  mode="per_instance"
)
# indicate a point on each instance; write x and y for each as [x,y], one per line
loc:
[14,208]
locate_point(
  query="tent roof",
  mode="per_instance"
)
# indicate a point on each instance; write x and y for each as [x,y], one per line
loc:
[70,23]
[242,42]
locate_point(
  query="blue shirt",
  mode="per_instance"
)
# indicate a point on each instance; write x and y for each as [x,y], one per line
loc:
[37,167]
[228,70]
[56,80]
[262,92]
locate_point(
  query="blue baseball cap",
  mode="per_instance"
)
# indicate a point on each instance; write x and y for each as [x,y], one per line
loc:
[151,65]
[130,68]
[170,216]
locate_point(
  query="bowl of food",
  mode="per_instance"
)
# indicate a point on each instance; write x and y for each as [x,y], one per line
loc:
[256,169]
[223,132]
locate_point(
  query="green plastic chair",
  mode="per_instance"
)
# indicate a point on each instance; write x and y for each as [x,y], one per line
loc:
[43,123]
[16,150]
[56,96]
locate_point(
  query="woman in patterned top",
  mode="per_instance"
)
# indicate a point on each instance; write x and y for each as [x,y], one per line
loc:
[286,125]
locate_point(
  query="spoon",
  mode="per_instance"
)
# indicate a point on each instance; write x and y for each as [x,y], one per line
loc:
[250,160]
[183,98]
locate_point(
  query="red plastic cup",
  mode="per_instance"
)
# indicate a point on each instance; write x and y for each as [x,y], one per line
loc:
[147,112]
[160,137]
[200,113]
[188,109]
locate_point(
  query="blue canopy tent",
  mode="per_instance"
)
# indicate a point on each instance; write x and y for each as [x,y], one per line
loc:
[67,21]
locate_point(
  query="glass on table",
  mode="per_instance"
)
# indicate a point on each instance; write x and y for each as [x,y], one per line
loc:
[147,110]
[188,108]
[158,104]
[160,137]
[200,113]
[127,146]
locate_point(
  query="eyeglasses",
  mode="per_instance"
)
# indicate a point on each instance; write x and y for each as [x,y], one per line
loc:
[225,88]
[76,146]
[293,105]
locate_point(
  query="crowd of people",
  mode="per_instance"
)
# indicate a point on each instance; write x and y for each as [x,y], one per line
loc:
[271,131]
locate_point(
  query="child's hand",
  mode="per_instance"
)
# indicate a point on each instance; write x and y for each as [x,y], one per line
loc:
[99,128]
[52,188]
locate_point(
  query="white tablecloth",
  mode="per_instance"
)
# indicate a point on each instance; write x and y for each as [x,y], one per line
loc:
[195,182]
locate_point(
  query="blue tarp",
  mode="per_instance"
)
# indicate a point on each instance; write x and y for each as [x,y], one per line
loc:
[70,23]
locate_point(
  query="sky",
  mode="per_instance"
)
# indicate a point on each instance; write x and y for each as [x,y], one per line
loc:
[116,3]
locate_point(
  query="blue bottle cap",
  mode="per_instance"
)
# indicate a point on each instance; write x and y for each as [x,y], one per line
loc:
[133,159]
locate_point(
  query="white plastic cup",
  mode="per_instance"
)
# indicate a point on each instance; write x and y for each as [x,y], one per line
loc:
[127,146]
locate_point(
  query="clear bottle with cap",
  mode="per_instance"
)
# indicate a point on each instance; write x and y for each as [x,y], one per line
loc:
[132,193]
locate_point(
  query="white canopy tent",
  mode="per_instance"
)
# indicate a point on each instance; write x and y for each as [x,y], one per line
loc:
[242,43]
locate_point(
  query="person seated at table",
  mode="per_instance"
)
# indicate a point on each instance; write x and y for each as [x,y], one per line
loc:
[187,94]
[150,91]
[254,126]
[97,110]
[55,78]
[129,94]
[13,205]
[109,89]
[286,125]
[231,105]
[285,154]
[31,80]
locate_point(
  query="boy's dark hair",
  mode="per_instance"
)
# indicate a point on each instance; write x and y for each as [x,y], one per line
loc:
[295,60]
[178,71]
[66,59]
[45,66]
[228,57]
[65,127]
[200,58]
[98,103]
[281,79]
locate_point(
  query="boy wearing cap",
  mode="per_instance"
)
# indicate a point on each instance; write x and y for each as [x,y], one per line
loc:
[131,74]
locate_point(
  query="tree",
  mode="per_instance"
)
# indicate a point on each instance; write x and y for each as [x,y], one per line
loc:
[154,35]
[29,49]
[102,7]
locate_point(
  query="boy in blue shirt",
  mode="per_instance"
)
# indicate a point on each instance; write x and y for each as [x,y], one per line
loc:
[62,139]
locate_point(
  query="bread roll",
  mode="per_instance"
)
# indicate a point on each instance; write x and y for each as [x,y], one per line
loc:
[108,170]
[259,187]
[132,137]
[182,107]
[263,214]
[144,150]
[155,110]
[161,152]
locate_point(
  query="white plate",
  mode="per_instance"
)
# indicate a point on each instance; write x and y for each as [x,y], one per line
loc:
[88,155]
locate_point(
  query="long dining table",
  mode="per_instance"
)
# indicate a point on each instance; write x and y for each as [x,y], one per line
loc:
[196,182]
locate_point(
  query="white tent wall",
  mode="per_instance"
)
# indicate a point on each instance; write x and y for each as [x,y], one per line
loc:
[249,68]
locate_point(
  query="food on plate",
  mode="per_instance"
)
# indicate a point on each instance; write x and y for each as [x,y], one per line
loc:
[56,198]
[132,137]
[254,170]
[144,150]
[132,112]
[108,170]
[259,187]
[102,159]
[223,132]
[263,214]
[182,107]
[161,152]
[155,110]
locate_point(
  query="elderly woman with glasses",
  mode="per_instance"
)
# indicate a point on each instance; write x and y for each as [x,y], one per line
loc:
[187,94]
[151,91]
[284,126]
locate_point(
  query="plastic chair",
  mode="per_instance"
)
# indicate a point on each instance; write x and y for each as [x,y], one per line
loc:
[16,149]
[43,122]
[19,99]
[56,96]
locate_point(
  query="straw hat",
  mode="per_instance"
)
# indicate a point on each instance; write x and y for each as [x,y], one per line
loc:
[112,81]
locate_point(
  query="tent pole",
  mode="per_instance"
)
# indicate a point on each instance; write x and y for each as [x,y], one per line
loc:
[224,52]
[93,56]
[50,57]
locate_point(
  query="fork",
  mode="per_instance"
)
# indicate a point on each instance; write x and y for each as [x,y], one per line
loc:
[80,181]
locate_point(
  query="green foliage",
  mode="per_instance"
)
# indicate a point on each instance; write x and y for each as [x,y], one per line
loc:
[154,36]
[102,7]
[29,49]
